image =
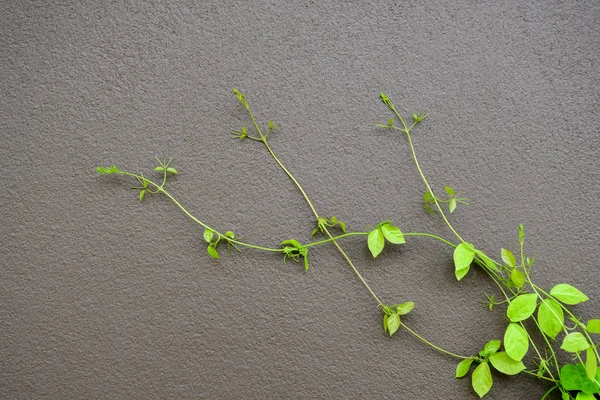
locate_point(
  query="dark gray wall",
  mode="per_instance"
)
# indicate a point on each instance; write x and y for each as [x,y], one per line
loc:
[104,297]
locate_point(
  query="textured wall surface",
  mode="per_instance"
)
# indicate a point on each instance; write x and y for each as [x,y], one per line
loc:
[104,297]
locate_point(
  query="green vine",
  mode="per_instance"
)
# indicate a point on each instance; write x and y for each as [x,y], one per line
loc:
[539,322]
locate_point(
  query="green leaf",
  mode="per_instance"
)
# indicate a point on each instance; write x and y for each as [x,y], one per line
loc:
[449,190]
[505,364]
[208,235]
[291,242]
[585,396]
[405,308]
[574,377]
[593,326]
[159,169]
[551,317]
[518,278]
[516,341]
[393,323]
[385,320]
[342,226]
[393,234]
[108,171]
[575,342]
[212,252]
[463,367]
[172,170]
[568,294]
[521,307]
[490,348]
[509,258]
[376,242]
[463,257]
[230,234]
[452,205]
[482,379]
[142,193]
[591,363]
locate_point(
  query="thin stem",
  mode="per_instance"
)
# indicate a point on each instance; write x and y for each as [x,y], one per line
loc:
[423,234]
[421,338]
[414,154]
[160,189]
[539,377]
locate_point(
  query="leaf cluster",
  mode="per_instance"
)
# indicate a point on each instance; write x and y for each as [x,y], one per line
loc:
[384,231]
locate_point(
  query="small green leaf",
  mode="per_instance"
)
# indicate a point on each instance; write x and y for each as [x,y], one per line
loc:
[405,308]
[591,363]
[482,379]
[342,226]
[568,294]
[518,278]
[463,367]
[521,307]
[551,317]
[509,258]
[449,190]
[208,235]
[108,171]
[142,193]
[159,169]
[593,326]
[385,320]
[172,170]
[490,348]
[516,341]
[393,323]
[376,242]
[230,234]
[393,234]
[452,205]
[212,252]
[463,257]
[505,364]
[575,342]
[291,242]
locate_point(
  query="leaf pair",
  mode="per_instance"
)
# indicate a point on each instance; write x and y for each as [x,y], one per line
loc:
[323,223]
[213,242]
[294,250]
[383,231]
[452,200]
[392,313]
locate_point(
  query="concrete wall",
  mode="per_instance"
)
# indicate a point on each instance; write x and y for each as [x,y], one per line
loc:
[103,297]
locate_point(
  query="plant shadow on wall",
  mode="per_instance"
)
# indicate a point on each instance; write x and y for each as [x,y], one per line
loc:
[540,323]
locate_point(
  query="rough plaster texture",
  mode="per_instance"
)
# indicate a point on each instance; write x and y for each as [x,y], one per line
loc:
[103,297]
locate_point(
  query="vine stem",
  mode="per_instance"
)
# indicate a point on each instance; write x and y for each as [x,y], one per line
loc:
[421,338]
[310,204]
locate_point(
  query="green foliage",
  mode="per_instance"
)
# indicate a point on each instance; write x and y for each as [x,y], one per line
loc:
[551,317]
[108,171]
[384,230]
[481,379]
[522,307]
[568,294]
[464,254]
[294,250]
[511,276]
[516,341]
